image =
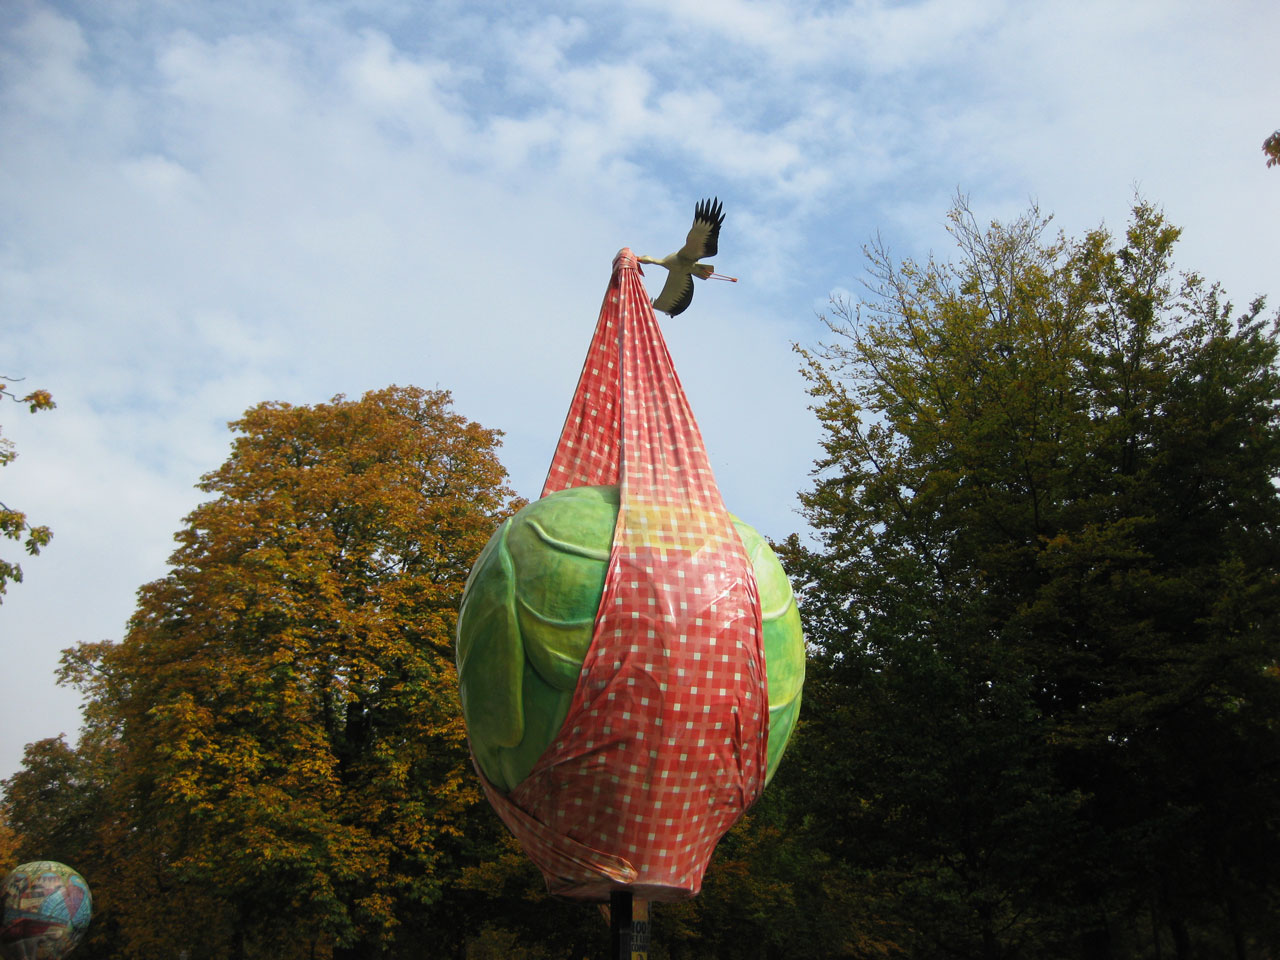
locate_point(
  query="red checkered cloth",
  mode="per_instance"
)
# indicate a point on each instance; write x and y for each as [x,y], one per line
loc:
[664,744]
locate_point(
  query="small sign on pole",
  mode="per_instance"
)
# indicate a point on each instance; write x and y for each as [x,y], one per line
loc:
[640,930]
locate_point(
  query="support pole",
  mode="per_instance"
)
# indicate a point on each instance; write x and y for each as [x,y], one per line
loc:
[620,924]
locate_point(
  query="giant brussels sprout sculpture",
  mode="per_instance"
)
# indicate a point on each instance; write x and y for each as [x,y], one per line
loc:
[629,654]
[537,586]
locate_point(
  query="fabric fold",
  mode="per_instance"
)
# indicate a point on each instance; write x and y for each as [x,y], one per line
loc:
[664,744]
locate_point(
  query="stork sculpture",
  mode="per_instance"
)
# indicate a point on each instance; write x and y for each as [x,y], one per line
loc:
[682,266]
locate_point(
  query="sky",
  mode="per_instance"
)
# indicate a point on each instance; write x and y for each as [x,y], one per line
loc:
[206,205]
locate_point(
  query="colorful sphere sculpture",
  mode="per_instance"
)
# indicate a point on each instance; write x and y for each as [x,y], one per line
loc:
[44,911]
[544,570]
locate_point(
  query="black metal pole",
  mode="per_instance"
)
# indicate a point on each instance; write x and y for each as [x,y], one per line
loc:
[620,924]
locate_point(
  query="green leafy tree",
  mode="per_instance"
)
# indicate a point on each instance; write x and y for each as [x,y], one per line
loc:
[500,904]
[292,766]
[1044,603]
[58,807]
[773,893]
[13,523]
[1271,147]
[51,803]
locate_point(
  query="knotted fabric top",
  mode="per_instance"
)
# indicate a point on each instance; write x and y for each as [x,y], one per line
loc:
[664,744]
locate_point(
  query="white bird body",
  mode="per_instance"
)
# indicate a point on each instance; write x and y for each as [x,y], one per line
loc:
[682,266]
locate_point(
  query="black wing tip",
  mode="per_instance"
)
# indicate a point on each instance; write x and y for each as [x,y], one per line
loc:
[710,211]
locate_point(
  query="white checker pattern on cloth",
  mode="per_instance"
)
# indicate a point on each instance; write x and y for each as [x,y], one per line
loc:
[664,745]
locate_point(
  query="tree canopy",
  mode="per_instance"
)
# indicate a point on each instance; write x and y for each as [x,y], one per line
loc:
[289,757]
[1045,602]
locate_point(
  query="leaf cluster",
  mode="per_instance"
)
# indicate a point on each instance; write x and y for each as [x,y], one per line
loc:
[13,523]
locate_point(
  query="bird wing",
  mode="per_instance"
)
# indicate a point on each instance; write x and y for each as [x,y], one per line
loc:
[677,293]
[704,236]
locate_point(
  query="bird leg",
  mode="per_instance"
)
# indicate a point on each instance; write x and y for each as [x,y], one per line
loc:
[706,271]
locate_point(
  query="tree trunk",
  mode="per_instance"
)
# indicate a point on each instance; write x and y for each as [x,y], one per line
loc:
[1095,938]
[990,942]
[1181,939]
[1096,944]
[1233,923]
[360,950]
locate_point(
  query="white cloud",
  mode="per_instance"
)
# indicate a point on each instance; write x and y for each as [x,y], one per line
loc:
[42,77]
[386,80]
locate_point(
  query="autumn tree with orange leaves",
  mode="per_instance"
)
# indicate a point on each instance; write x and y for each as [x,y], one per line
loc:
[284,702]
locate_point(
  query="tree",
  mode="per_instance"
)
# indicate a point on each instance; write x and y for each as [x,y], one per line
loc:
[773,893]
[1042,607]
[291,750]
[50,803]
[13,523]
[1271,147]
[57,805]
